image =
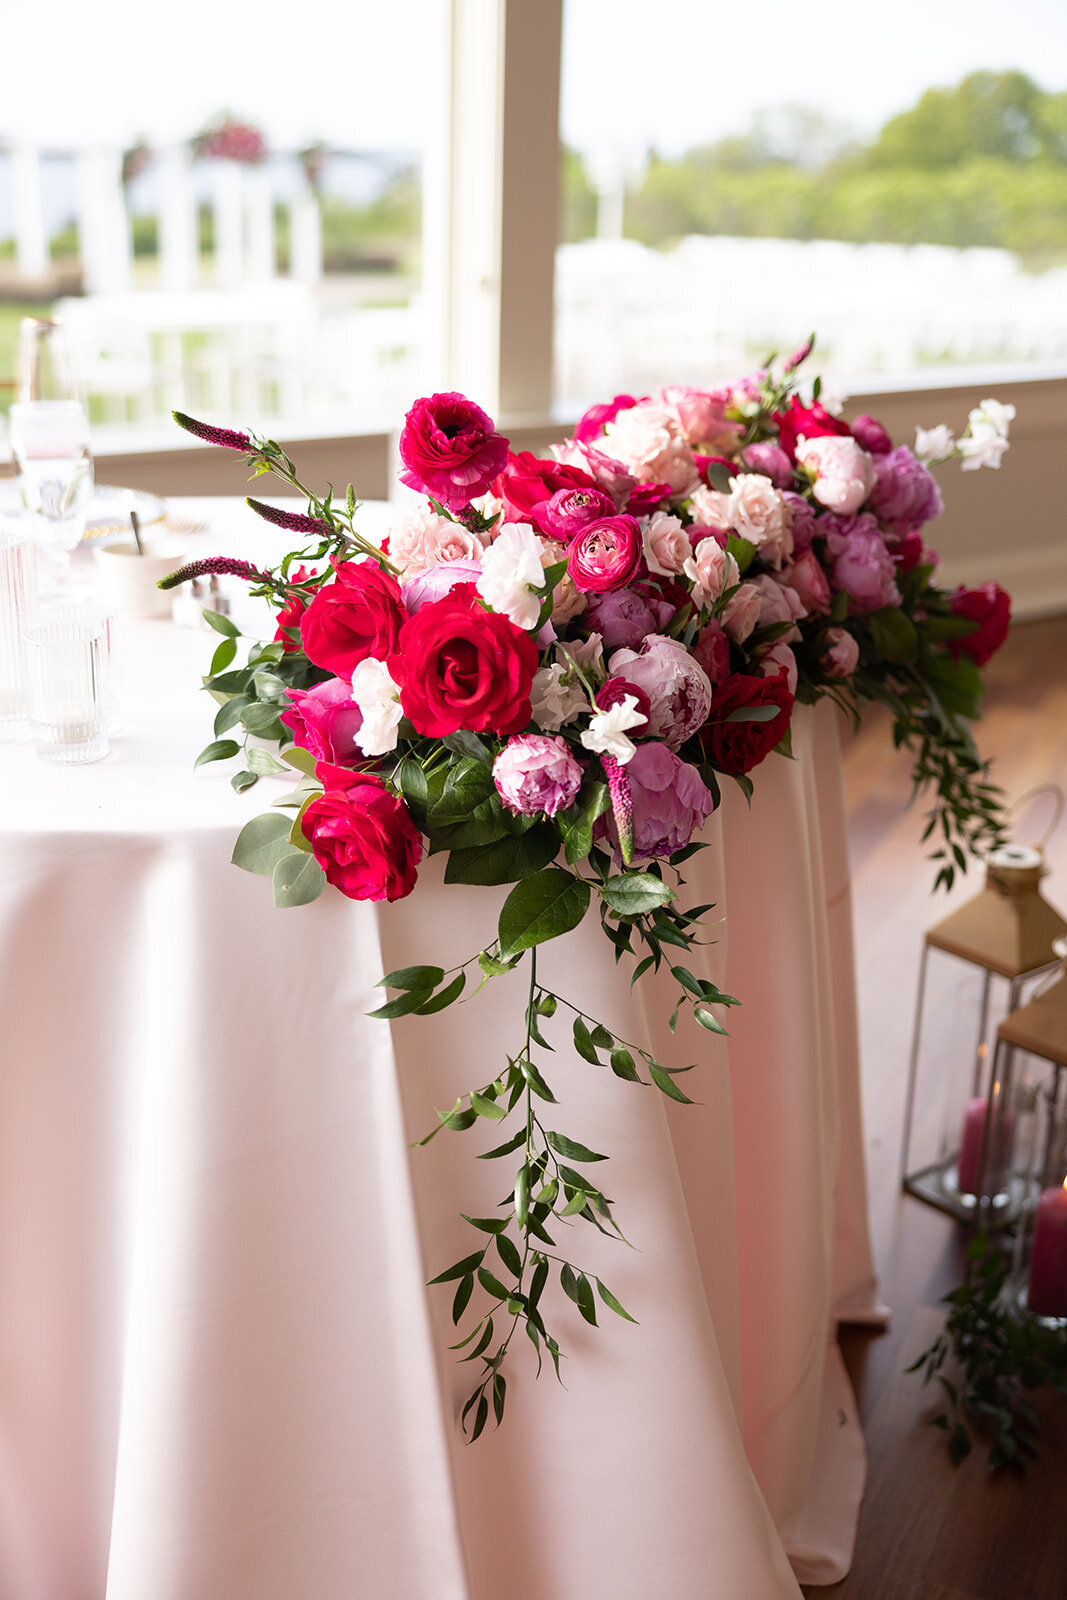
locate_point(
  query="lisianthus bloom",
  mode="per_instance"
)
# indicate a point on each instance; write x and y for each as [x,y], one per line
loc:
[556,698]
[905,493]
[375,692]
[841,654]
[737,747]
[536,772]
[844,472]
[860,563]
[362,837]
[325,721]
[605,555]
[934,444]
[986,438]
[808,422]
[450,449]
[990,607]
[670,802]
[460,666]
[677,687]
[287,633]
[607,732]
[625,616]
[360,614]
[422,539]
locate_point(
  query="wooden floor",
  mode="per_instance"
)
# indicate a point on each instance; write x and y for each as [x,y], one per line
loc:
[929,1531]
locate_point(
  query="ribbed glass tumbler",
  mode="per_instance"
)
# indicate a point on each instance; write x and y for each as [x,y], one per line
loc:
[68,655]
[18,578]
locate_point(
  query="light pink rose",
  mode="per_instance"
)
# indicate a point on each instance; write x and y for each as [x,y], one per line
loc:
[844,472]
[778,604]
[711,650]
[740,615]
[806,577]
[567,602]
[770,459]
[677,687]
[760,514]
[649,441]
[711,571]
[861,564]
[779,660]
[840,658]
[666,545]
[422,539]
[710,507]
[700,414]
[536,772]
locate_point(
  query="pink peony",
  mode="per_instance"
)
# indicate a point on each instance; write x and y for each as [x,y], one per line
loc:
[450,449]
[842,654]
[806,578]
[741,613]
[325,720]
[844,472]
[678,689]
[771,460]
[537,772]
[804,523]
[670,801]
[872,436]
[605,555]
[624,617]
[606,472]
[861,564]
[905,493]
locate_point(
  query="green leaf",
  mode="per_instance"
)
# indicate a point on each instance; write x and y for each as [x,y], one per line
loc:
[261,718]
[667,1085]
[568,1282]
[708,1020]
[893,635]
[505,1149]
[754,714]
[571,1148]
[466,743]
[492,1285]
[491,967]
[578,823]
[242,781]
[610,1301]
[540,908]
[583,1043]
[221,624]
[412,978]
[486,1224]
[718,476]
[500,1389]
[402,1005]
[262,843]
[444,998]
[622,1065]
[262,762]
[535,1080]
[506,860]
[229,713]
[468,783]
[460,1269]
[294,755]
[462,1296]
[222,657]
[218,750]
[298,879]
[487,1108]
[586,1303]
[631,894]
[411,781]
[522,1195]
[509,1255]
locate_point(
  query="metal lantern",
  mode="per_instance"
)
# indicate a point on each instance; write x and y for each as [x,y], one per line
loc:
[1039,1270]
[964,1119]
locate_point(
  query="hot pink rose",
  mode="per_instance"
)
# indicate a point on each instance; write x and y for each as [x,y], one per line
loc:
[528,483]
[808,422]
[861,564]
[626,616]
[363,838]
[841,655]
[990,607]
[871,435]
[605,555]
[678,689]
[772,461]
[806,578]
[670,801]
[325,720]
[537,772]
[570,510]
[450,449]
[844,472]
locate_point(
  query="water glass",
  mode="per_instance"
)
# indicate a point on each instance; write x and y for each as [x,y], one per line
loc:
[50,443]
[17,595]
[45,361]
[68,651]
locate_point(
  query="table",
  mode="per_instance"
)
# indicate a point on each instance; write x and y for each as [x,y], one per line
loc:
[221,1375]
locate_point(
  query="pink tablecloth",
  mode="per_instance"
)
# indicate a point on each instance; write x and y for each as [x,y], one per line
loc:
[220,1373]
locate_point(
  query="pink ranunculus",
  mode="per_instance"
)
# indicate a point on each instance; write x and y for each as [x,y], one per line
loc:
[422,539]
[536,772]
[990,606]
[666,545]
[771,460]
[741,613]
[450,449]
[649,441]
[325,721]
[860,563]
[760,514]
[779,604]
[677,686]
[570,510]
[624,617]
[701,415]
[805,524]
[871,435]
[670,802]
[593,422]
[435,582]
[779,661]
[905,493]
[711,650]
[844,472]
[806,578]
[841,656]
[605,555]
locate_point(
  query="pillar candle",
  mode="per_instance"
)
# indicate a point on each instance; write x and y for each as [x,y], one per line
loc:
[998,1151]
[1047,1291]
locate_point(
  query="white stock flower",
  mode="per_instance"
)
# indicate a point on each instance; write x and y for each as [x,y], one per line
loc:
[934,444]
[606,733]
[375,694]
[511,573]
[554,702]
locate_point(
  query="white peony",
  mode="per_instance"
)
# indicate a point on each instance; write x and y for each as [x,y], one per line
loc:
[511,575]
[376,695]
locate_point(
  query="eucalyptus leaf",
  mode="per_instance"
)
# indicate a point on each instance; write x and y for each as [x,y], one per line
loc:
[631,894]
[218,750]
[262,843]
[298,879]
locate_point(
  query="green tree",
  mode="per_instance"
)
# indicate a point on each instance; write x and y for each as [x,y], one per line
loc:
[999,114]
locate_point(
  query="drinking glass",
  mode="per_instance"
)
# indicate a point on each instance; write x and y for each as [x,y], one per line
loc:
[50,443]
[17,594]
[45,364]
[68,660]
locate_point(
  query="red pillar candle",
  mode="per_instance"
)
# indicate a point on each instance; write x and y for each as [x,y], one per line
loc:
[998,1150]
[1047,1291]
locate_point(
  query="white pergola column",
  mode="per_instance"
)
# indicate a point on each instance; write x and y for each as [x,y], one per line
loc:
[103,226]
[259,201]
[31,242]
[178,244]
[227,186]
[491,218]
[305,239]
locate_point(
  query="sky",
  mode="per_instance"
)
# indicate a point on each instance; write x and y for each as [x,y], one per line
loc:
[668,73]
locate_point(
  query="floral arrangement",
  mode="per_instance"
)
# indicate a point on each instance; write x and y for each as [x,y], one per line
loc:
[229,139]
[546,671]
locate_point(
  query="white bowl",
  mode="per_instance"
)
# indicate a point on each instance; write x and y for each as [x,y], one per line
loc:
[127,581]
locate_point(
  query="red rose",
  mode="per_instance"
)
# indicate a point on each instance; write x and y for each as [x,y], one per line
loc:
[293,609]
[990,607]
[527,483]
[363,838]
[357,616]
[450,449]
[809,422]
[737,747]
[459,666]
[605,555]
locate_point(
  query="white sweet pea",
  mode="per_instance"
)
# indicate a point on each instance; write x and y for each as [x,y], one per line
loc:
[376,695]
[934,444]
[553,702]
[511,572]
[995,413]
[588,653]
[983,446]
[606,733]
